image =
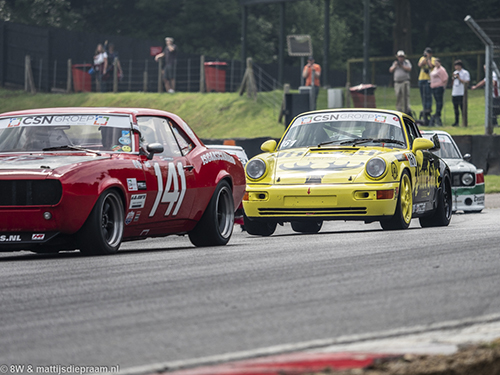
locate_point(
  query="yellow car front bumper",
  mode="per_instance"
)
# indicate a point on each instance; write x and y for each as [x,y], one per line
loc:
[325,202]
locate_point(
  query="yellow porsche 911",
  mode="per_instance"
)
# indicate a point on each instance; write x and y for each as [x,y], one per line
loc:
[347,164]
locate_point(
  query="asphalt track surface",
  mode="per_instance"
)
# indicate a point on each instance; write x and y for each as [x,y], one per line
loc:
[164,300]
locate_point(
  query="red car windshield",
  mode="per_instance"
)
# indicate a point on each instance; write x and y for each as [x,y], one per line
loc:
[66,132]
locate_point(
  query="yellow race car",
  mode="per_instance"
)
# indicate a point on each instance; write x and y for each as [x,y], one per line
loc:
[347,164]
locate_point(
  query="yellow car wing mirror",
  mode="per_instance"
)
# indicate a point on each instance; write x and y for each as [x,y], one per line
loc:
[422,144]
[268,146]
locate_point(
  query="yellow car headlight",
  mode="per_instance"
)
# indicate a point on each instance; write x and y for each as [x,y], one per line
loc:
[376,167]
[256,168]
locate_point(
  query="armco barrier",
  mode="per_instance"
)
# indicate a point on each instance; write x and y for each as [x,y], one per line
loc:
[485,149]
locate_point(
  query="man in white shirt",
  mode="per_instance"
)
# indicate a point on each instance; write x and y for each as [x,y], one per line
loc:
[461,79]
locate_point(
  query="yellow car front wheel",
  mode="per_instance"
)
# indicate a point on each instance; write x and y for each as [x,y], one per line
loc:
[404,208]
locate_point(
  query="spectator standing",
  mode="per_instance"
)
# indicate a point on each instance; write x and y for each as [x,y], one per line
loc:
[113,60]
[426,64]
[439,80]
[495,93]
[310,69]
[100,65]
[401,69]
[461,78]
[170,55]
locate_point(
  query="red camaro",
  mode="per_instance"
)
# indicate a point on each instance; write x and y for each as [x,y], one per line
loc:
[90,178]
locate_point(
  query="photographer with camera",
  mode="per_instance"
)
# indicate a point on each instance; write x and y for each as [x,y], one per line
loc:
[461,78]
[401,69]
[426,64]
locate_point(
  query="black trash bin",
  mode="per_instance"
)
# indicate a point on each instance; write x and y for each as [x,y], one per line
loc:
[363,96]
[295,104]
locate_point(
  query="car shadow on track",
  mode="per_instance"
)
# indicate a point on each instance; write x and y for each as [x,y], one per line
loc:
[352,231]
[28,256]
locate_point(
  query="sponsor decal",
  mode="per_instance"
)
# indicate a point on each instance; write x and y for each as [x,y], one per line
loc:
[124,140]
[147,164]
[137,201]
[170,193]
[394,171]
[137,164]
[10,238]
[132,184]
[37,236]
[126,149]
[101,120]
[411,159]
[289,143]
[129,218]
[126,133]
[217,155]
[479,198]
[137,215]
[419,208]
[69,119]
[145,232]
[14,121]
[306,120]
[348,116]
[141,185]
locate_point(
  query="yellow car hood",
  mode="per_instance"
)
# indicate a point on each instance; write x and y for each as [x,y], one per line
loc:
[316,166]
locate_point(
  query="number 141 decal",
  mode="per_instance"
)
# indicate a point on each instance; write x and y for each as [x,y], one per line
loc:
[164,194]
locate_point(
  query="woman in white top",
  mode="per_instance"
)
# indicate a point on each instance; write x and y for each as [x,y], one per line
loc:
[100,65]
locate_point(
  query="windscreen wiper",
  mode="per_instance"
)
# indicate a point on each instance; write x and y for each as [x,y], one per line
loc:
[70,147]
[388,140]
[356,141]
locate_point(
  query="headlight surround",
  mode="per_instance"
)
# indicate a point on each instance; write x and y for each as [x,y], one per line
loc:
[468,179]
[256,168]
[376,167]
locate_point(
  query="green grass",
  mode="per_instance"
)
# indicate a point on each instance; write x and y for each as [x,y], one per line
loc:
[492,183]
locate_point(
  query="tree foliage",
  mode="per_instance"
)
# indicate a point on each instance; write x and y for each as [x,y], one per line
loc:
[213,27]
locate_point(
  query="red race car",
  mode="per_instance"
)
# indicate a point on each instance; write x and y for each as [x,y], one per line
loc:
[90,178]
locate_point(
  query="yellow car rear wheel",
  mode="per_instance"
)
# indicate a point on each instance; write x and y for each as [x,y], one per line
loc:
[404,209]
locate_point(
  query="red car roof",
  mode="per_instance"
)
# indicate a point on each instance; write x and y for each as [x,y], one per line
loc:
[85,110]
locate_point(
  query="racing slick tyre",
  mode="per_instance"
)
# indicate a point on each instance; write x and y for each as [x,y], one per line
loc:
[103,231]
[259,228]
[442,216]
[306,226]
[216,225]
[404,208]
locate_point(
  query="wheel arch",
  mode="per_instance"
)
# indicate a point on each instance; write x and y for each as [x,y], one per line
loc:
[114,184]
